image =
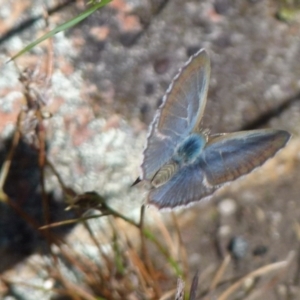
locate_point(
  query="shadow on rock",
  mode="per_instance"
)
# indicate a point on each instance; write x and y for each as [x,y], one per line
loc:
[18,236]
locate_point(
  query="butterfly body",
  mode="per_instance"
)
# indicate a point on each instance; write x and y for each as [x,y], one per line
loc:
[183,162]
[189,150]
[186,153]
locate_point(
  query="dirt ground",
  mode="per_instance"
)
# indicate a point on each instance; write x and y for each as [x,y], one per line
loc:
[110,73]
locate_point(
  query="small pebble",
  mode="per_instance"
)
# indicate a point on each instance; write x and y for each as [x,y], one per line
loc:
[224,231]
[161,65]
[260,250]
[238,247]
[222,7]
[248,283]
[227,207]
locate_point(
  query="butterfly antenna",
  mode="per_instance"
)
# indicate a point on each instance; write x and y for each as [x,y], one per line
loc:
[136,182]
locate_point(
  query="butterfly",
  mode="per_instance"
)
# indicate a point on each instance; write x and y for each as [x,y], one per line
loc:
[182,161]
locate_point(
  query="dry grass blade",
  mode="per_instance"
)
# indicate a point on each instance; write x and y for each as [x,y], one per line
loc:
[76,291]
[67,191]
[258,294]
[7,163]
[141,270]
[194,286]
[145,254]
[297,230]
[147,277]
[67,222]
[259,272]
[297,273]
[180,290]
[167,295]
[166,234]
[220,272]
[181,247]
[100,249]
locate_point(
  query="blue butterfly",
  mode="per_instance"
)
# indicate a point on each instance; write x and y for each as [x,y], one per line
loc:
[182,161]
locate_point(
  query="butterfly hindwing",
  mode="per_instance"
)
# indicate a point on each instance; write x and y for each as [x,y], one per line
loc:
[186,186]
[229,156]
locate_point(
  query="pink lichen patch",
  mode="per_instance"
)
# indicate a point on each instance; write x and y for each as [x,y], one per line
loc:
[64,66]
[107,92]
[16,12]
[81,135]
[78,40]
[120,5]
[214,16]
[113,122]
[6,92]
[128,21]
[76,124]
[55,104]
[100,33]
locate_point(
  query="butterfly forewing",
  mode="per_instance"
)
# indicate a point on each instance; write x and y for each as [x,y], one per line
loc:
[186,99]
[229,156]
[181,111]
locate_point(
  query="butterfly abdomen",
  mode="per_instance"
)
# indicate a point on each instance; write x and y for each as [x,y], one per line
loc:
[165,173]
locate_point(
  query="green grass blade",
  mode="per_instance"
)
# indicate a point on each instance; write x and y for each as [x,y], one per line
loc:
[148,234]
[63,27]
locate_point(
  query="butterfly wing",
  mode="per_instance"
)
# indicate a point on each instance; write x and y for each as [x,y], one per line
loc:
[225,158]
[186,186]
[181,111]
[229,156]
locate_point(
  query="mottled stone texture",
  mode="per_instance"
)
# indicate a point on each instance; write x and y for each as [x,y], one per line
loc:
[109,75]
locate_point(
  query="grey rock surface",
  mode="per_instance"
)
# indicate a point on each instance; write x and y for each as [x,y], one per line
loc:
[110,73]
